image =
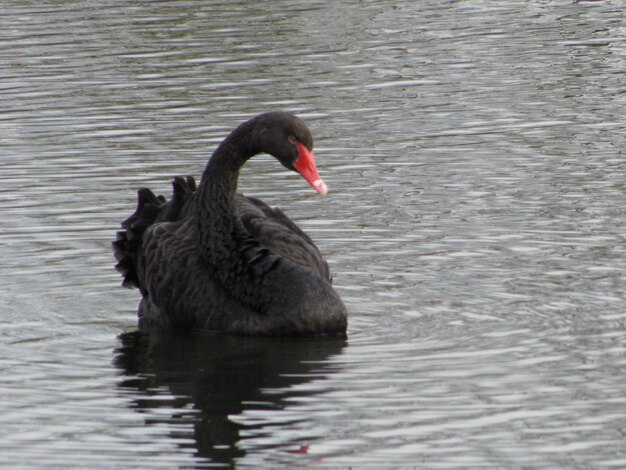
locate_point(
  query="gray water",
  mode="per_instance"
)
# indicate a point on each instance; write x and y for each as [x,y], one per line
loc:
[475,225]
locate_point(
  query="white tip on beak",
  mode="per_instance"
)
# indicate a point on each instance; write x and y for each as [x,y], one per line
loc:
[320,187]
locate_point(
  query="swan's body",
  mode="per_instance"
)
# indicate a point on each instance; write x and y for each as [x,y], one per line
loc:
[216,260]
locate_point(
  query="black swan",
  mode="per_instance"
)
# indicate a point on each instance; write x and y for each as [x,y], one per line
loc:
[214,259]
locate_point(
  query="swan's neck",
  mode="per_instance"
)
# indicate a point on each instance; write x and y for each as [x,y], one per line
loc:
[221,238]
[222,170]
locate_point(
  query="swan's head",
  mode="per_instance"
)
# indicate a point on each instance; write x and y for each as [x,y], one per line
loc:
[289,140]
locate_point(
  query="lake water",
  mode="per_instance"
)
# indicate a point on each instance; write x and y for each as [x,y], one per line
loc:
[475,225]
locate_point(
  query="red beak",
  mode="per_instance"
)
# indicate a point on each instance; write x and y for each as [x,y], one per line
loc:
[305,165]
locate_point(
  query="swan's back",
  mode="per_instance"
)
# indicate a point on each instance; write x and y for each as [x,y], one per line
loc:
[128,246]
[269,226]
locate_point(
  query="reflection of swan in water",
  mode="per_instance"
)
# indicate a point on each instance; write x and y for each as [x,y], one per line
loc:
[219,377]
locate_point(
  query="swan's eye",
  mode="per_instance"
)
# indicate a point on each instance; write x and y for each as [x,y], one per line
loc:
[292,140]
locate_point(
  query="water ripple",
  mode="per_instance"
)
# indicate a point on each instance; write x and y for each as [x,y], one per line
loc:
[475,227]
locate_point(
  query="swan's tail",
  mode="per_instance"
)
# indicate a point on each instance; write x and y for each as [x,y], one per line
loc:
[150,209]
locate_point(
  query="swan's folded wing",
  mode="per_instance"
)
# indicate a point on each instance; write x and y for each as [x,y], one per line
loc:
[273,229]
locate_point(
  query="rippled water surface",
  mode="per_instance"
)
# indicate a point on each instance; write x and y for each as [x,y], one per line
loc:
[476,225]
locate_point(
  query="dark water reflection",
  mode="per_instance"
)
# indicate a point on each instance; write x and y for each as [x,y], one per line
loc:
[475,227]
[206,383]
